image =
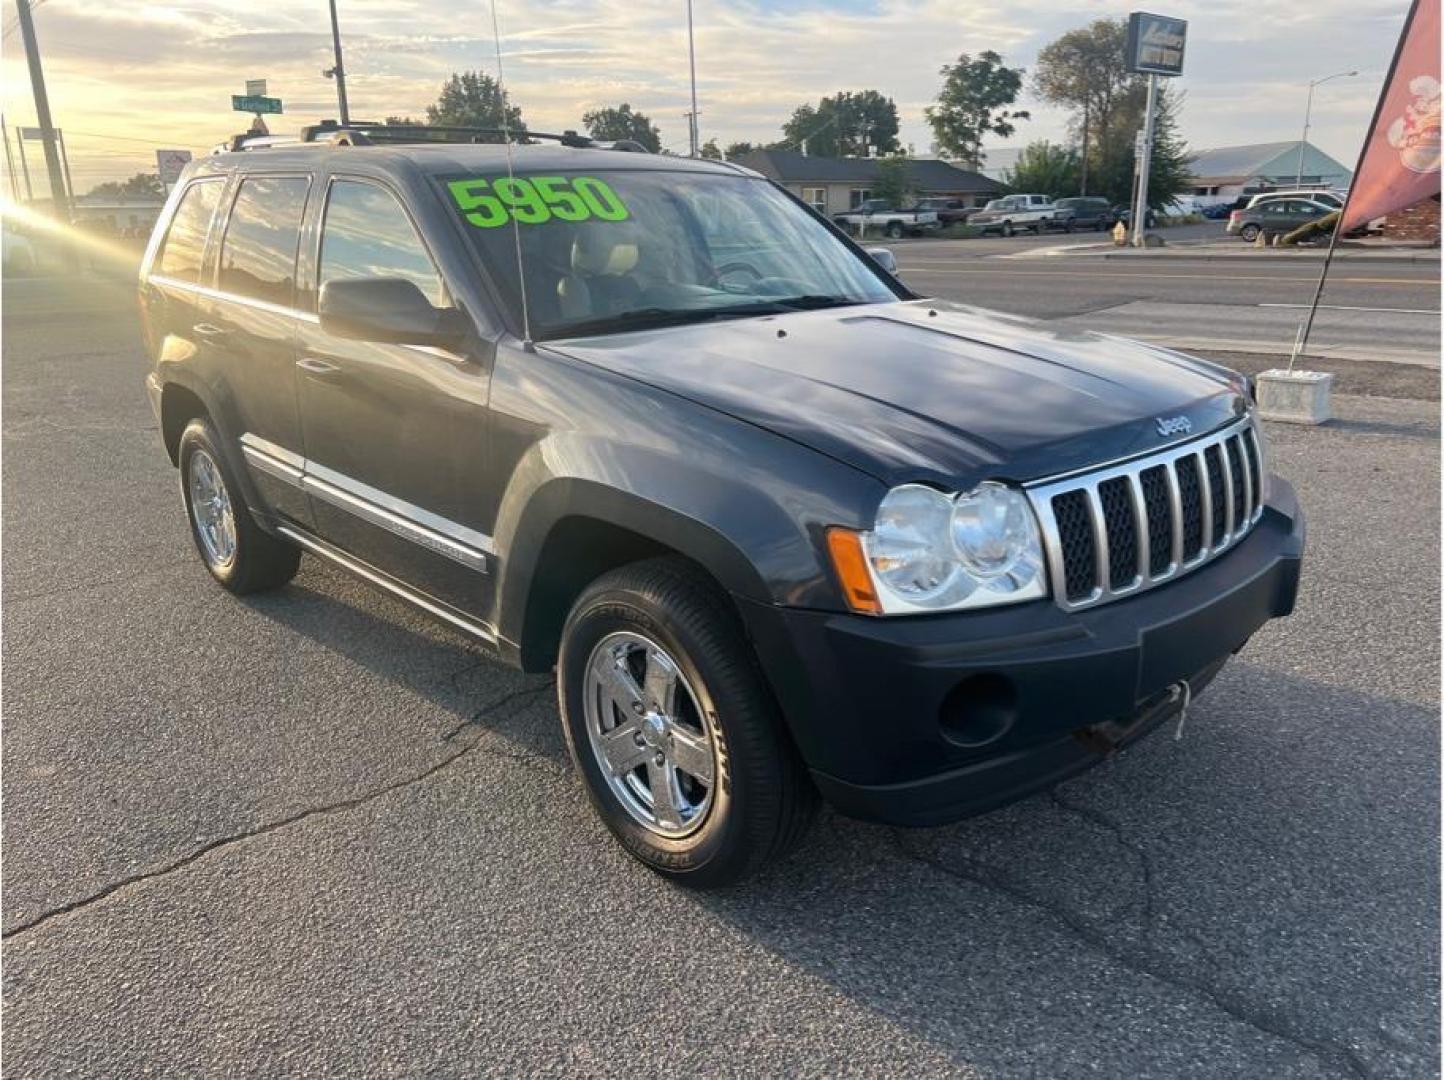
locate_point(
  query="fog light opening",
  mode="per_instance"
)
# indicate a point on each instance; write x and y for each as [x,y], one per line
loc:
[979,710]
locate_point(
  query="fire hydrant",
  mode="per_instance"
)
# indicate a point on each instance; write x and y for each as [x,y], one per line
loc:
[1120,234]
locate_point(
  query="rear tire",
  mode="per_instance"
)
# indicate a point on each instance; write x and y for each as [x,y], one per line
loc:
[237,552]
[687,671]
[1249,233]
[894,230]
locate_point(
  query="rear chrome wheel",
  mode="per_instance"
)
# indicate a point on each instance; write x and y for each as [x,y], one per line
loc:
[649,735]
[239,554]
[211,513]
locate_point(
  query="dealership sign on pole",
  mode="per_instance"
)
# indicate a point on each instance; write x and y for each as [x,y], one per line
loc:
[1155,44]
[1155,47]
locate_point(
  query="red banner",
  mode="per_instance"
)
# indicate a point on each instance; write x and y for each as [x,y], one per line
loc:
[1400,163]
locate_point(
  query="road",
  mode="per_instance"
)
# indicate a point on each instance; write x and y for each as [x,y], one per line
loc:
[1373,309]
[313,832]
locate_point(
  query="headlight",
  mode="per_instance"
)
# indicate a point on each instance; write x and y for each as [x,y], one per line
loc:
[932,552]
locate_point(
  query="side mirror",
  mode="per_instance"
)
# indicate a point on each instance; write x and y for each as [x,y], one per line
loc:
[391,311]
[884,258]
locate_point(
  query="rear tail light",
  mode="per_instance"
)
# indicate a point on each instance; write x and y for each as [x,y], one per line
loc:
[1234,215]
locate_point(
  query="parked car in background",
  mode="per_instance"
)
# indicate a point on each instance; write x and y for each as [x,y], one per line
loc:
[1275,217]
[877,215]
[949,211]
[1087,211]
[1015,213]
[1218,211]
[1326,198]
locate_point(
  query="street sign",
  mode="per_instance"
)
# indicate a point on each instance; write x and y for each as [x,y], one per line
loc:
[169,163]
[1155,44]
[255,87]
[32,133]
[255,103]
[1140,143]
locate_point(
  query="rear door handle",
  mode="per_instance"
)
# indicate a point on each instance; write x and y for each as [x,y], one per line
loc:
[316,366]
[208,330]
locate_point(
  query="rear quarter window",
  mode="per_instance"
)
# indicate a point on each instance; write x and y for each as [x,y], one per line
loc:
[185,240]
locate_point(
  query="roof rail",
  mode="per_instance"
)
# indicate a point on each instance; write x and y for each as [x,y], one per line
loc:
[364,133]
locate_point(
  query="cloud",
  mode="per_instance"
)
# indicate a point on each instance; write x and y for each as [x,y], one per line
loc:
[166,72]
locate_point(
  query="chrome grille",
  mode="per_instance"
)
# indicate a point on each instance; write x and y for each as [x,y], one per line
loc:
[1119,530]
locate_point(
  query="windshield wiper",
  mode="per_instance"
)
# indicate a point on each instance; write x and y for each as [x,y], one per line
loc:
[814,301]
[652,317]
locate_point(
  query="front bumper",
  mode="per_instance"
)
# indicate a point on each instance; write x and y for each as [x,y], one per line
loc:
[925,720]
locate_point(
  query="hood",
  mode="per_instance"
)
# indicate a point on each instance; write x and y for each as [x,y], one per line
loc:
[921,390]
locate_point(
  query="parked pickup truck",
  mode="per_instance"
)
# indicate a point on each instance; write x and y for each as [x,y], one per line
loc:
[1014,213]
[878,214]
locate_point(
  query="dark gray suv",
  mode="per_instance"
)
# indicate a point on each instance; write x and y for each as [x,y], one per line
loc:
[782,528]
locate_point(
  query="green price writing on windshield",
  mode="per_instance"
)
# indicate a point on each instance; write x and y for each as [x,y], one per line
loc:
[535,200]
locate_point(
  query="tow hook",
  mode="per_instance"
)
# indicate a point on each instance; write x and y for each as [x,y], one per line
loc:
[1111,735]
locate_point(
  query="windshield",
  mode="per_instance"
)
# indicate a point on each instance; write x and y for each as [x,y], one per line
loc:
[610,251]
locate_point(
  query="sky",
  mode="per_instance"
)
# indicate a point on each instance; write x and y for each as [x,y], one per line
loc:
[127,78]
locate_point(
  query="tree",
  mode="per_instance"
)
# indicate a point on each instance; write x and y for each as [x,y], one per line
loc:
[621,122]
[139,186]
[1086,70]
[1169,172]
[894,183]
[711,150]
[973,102]
[737,149]
[1045,168]
[474,99]
[844,125]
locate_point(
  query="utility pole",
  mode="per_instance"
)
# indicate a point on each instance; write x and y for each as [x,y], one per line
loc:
[9,160]
[61,204]
[338,72]
[692,60]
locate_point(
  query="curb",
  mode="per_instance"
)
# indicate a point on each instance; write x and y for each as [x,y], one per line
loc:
[1405,258]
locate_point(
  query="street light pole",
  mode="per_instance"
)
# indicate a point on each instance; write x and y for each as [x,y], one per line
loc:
[60,203]
[692,61]
[339,72]
[1308,114]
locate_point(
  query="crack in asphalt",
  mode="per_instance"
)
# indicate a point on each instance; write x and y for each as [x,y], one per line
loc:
[325,810]
[1144,960]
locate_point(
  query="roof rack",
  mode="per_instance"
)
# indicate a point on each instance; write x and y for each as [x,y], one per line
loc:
[365,133]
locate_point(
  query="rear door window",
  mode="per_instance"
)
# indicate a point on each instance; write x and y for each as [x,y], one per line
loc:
[258,254]
[185,241]
[368,235]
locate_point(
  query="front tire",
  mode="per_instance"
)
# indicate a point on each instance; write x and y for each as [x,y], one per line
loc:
[1007,228]
[236,551]
[673,729]
[894,230]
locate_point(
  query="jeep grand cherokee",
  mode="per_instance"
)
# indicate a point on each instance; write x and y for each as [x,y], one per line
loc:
[782,528]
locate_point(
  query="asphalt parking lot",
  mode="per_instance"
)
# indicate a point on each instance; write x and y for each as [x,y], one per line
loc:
[315,833]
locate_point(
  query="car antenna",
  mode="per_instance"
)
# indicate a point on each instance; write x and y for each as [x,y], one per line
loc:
[511,177]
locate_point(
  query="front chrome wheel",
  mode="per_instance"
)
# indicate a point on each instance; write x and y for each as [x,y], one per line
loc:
[211,511]
[651,739]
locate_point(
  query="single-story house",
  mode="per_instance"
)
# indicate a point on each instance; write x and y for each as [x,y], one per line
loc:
[836,185]
[1222,175]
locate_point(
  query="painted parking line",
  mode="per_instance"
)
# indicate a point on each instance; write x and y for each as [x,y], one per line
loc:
[1344,307]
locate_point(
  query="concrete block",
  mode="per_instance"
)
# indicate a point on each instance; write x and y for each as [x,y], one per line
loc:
[1295,397]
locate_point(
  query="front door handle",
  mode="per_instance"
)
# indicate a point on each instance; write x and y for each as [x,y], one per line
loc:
[316,366]
[208,330]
